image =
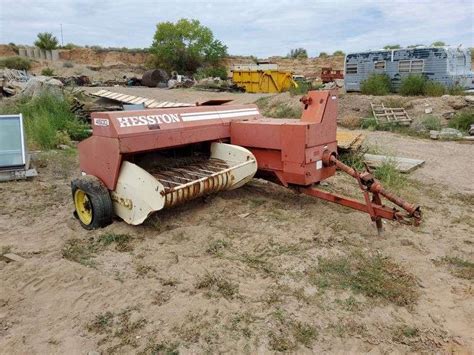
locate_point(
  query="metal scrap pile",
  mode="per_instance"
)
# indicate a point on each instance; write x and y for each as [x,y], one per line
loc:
[13,81]
[218,85]
[19,82]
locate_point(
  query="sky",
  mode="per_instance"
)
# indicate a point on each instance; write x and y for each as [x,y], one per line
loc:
[248,27]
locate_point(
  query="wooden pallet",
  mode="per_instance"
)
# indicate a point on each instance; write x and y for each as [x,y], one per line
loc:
[396,115]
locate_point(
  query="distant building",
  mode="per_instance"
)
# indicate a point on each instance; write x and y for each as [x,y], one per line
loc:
[447,65]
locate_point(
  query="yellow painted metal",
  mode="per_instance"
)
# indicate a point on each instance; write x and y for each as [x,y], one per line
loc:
[263,81]
[83,207]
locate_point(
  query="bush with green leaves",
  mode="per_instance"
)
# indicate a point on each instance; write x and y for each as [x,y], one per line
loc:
[376,84]
[462,120]
[18,63]
[206,72]
[185,46]
[323,55]
[413,85]
[47,41]
[338,53]
[47,71]
[298,53]
[48,119]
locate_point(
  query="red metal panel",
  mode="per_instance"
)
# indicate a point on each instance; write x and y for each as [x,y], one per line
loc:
[294,141]
[100,156]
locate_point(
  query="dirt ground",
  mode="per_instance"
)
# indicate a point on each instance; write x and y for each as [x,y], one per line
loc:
[259,269]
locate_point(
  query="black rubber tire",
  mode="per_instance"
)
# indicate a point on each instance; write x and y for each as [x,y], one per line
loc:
[99,197]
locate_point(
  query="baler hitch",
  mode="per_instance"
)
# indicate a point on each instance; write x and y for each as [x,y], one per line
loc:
[373,206]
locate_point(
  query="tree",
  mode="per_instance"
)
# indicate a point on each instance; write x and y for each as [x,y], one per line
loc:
[323,55]
[438,44]
[338,53]
[185,46]
[392,46]
[298,53]
[46,40]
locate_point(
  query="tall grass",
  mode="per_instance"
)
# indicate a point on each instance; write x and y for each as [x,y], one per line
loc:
[433,88]
[48,120]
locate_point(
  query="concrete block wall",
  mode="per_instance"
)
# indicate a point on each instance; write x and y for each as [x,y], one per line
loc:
[37,53]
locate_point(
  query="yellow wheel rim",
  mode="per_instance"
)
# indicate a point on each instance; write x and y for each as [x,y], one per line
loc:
[83,207]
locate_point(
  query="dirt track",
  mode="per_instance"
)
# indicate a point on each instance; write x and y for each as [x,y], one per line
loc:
[240,271]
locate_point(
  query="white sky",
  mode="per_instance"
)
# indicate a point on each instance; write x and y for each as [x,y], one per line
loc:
[259,27]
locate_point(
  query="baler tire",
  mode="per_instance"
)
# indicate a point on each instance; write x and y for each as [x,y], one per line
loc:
[92,190]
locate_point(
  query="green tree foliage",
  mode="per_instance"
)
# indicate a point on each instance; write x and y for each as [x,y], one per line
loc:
[376,84]
[298,53]
[338,53]
[438,44]
[323,55]
[185,46]
[392,46]
[46,40]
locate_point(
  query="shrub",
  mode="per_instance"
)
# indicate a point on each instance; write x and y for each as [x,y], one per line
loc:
[47,71]
[206,72]
[298,53]
[462,120]
[338,53]
[68,65]
[302,88]
[433,88]
[431,123]
[70,46]
[323,55]
[413,85]
[47,119]
[376,84]
[18,63]
[392,46]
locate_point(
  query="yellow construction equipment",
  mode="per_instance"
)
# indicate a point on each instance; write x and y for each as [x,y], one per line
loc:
[262,77]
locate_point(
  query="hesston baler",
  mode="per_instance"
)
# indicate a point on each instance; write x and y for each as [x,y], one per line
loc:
[139,162]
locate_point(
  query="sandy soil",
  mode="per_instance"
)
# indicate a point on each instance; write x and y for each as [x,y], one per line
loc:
[240,271]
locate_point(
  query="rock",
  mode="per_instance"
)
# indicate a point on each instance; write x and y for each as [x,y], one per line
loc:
[13,257]
[339,83]
[428,110]
[39,84]
[446,133]
[456,102]
[471,130]
[434,134]
[448,115]
[63,146]
[93,353]
[469,99]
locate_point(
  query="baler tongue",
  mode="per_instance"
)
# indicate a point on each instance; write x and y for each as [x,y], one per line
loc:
[142,191]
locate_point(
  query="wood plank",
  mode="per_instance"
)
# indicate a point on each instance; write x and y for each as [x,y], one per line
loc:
[404,165]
